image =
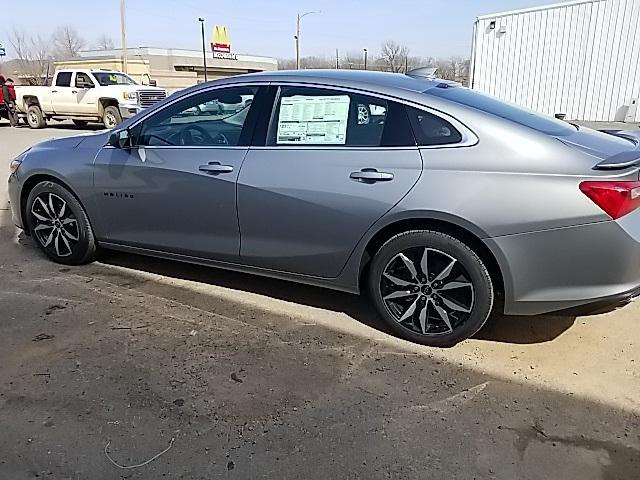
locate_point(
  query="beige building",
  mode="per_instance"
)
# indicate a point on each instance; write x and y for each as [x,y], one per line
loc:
[171,68]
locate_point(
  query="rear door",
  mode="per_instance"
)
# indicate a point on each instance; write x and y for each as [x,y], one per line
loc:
[330,164]
[63,94]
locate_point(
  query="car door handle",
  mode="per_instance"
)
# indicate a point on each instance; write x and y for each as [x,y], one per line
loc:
[215,168]
[54,91]
[371,175]
[74,91]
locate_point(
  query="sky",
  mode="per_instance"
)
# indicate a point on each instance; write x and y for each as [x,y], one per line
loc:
[438,28]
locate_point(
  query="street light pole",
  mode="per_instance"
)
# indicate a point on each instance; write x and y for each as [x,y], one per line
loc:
[297,37]
[365,58]
[123,31]
[204,50]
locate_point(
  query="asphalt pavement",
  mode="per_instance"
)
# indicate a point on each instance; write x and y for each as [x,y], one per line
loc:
[189,372]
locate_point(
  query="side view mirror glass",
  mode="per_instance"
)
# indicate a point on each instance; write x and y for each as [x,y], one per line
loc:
[120,139]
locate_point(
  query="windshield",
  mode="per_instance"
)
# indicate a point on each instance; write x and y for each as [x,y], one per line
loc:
[508,111]
[112,78]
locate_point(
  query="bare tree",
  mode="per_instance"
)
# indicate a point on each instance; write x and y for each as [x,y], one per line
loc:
[317,62]
[352,60]
[34,56]
[105,43]
[67,43]
[306,62]
[393,56]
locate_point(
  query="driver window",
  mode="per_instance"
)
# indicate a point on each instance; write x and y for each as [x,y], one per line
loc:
[83,80]
[213,118]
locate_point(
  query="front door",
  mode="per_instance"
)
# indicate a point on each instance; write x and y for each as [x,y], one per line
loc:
[334,163]
[86,101]
[175,190]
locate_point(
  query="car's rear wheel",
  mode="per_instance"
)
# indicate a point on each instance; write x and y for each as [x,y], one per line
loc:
[431,288]
[111,117]
[59,224]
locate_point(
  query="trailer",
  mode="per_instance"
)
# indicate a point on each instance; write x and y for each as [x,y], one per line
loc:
[578,60]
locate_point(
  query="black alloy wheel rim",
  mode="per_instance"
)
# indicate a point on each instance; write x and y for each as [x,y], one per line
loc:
[427,291]
[56,227]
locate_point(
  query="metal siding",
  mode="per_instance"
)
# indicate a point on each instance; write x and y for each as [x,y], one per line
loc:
[579,58]
[633,82]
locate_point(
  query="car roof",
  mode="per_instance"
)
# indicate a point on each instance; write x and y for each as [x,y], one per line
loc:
[357,78]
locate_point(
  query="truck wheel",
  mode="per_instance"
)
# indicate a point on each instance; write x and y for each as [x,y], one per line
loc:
[111,117]
[80,123]
[35,119]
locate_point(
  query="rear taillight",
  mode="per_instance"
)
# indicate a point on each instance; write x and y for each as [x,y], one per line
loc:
[615,198]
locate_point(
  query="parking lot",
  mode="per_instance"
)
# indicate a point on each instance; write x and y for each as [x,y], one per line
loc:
[233,376]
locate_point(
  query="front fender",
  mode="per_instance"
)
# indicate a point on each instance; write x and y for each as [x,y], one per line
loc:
[71,167]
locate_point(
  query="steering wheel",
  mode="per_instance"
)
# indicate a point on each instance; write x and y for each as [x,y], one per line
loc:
[364,116]
[196,135]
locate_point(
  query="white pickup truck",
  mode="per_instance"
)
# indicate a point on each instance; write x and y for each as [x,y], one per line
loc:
[85,96]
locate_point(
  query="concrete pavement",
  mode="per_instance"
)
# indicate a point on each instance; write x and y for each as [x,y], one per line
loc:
[246,377]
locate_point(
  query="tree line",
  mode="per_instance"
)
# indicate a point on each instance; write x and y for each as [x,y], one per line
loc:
[392,57]
[35,54]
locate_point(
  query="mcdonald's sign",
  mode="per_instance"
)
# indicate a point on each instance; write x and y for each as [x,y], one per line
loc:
[220,41]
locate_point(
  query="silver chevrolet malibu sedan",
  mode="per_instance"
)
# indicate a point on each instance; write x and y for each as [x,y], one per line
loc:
[443,204]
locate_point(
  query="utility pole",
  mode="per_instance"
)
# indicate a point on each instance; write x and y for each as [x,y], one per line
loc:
[204,51]
[337,60]
[365,58]
[297,37]
[123,30]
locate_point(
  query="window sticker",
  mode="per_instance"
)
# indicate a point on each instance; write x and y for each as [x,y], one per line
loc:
[313,120]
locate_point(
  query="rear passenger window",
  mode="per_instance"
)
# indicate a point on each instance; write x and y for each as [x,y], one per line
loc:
[431,130]
[63,79]
[313,116]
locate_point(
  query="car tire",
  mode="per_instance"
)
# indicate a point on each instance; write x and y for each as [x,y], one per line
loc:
[448,303]
[35,118]
[59,224]
[111,117]
[80,123]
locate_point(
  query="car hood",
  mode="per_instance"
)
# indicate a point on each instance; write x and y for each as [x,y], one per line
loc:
[87,139]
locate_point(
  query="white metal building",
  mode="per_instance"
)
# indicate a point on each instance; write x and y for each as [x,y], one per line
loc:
[580,58]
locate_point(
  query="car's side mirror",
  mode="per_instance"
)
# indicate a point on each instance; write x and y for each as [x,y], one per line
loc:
[153,83]
[120,139]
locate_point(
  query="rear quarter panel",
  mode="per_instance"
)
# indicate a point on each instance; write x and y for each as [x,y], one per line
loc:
[43,94]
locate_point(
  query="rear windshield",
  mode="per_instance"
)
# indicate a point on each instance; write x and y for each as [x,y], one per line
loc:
[508,111]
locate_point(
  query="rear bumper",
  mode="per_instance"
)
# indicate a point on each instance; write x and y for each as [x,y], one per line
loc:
[588,266]
[603,305]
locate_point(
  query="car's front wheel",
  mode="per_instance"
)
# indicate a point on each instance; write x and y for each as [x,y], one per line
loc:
[59,224]
[111,117]
[431,288]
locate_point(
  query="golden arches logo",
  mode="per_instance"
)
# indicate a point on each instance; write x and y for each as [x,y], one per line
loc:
[220,41]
